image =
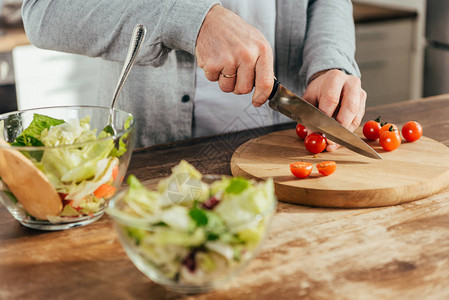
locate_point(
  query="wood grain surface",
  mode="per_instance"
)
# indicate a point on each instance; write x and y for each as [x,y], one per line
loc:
[412,171]
[393,252]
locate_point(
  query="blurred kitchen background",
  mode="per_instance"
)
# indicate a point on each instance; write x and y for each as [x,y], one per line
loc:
[402,51]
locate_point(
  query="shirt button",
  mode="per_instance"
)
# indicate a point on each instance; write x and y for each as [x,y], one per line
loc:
[185,98]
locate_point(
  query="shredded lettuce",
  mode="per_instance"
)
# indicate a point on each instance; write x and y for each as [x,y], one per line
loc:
[117,152]
[77,163]
[167,236]
[184,185]
[136,233]
[140,201]
[102,174]
[75,160]
[210,236]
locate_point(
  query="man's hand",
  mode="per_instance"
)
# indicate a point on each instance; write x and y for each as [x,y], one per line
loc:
[226,44]
[333,92]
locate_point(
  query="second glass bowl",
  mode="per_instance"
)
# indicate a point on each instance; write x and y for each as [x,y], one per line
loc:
[196,247]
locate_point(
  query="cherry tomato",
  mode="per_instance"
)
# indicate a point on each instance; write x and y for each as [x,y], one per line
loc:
[390,140]
[326,167]
[301,131]
[412,131]
[386,127]
[315,143]
[371,129]
[301,169]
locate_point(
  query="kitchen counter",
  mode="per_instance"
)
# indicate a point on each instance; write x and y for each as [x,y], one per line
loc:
[396,252]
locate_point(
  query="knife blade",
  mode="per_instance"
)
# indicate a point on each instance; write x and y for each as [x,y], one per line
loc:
[301,111]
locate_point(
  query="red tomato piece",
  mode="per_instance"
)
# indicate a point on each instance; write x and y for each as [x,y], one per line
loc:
[412,131]
[371,129]
[315,143]
[326,168]
[301,131]
[386,127]
[301,169]
[390,140]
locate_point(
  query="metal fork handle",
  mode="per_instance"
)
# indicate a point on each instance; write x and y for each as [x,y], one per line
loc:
[134,47]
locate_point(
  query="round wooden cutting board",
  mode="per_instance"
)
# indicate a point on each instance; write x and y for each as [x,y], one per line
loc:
[412,171]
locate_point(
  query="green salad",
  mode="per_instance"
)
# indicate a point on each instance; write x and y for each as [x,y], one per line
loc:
[84,174]
[190,231]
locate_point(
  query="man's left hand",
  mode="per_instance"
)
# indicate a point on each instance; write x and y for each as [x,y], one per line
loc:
[335,92]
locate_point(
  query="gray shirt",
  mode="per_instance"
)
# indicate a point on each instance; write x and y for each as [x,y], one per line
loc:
[310,35]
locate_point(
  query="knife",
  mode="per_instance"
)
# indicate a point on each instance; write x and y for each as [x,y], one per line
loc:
[301,111]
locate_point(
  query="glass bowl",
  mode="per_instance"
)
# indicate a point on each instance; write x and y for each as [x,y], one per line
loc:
[67,145]
[185,261]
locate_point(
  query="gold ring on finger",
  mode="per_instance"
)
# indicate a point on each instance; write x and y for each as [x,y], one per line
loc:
[228,76]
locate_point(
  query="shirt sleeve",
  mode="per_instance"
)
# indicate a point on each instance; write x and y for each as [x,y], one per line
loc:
[330,38]
[103,28]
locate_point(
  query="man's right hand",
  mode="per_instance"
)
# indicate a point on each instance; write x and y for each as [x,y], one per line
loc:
[226,44]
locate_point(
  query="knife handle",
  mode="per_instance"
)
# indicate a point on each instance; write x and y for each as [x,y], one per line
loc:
[275,88]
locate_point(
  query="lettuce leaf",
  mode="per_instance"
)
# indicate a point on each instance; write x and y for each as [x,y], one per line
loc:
[32,134]
[73,164]
[102,174]
[184,185]
[141,201]
[238,210]
[237,185]
[117,152]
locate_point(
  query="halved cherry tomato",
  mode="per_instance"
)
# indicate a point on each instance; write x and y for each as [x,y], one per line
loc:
[301,169]
[390,140]
[386,127]
[371,129]
[412,131]
[326,167]
[315,143]
[301,131]
[105,191]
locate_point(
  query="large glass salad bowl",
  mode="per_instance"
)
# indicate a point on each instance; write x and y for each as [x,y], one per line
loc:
[194,232]
[82,164]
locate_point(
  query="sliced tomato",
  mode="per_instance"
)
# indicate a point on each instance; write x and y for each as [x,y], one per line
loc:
[326,168]
[105,191]
[301,169]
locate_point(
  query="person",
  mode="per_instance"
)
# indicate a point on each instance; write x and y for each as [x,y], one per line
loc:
[308,45]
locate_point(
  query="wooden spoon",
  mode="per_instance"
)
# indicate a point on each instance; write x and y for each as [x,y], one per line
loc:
[28,184]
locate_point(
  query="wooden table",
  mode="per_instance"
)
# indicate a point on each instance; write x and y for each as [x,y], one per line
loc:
[398,252]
